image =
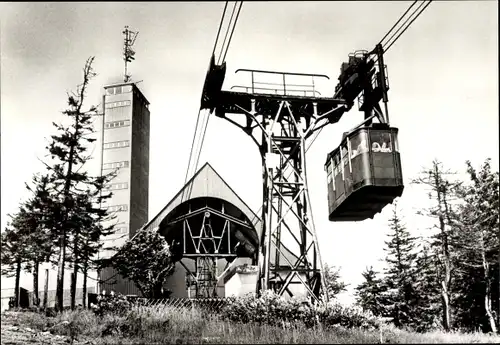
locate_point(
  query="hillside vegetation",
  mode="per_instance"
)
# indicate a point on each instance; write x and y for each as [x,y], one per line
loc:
[172,326]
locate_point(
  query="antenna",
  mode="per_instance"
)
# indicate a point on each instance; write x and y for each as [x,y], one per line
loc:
[128,53]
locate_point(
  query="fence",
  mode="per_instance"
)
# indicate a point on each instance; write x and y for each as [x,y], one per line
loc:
[212,305]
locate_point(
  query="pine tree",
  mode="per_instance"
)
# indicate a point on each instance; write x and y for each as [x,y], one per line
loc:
[87,240]
[369,293]
[334,285]
[12,259]
[92,235]
[427,286]
[478,242]
[15,253]
[399,278]
[441,193]
[41,210]
[67,149]
[82,221]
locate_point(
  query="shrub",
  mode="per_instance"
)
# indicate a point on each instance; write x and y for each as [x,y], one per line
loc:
[332,313]
[113,303]
[274,310]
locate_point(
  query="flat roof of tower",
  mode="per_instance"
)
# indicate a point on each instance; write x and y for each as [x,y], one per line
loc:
[134,84]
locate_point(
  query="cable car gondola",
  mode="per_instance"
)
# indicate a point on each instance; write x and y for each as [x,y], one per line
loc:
[364,173]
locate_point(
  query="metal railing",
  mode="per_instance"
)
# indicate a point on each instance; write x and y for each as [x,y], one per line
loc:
[283,88]
[277,91]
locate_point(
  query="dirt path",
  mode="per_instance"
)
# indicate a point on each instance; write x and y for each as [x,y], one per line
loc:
[13,333]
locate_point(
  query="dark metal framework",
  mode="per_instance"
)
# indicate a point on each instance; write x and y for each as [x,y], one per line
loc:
[279,118]
[209,233]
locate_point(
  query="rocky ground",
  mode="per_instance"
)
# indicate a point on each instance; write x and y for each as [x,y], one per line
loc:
[13,333]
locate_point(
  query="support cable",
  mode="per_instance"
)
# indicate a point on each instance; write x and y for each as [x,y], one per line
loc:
[388,32]
[232,31]
[204,124]
[406,28]
[227,32]
[220,27]
[403,25]
[192,146]
[195,135]
[202,140]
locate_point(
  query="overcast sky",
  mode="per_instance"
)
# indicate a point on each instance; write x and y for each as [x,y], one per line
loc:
[443,75]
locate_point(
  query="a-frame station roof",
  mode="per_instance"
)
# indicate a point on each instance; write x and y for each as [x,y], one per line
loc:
[207,183]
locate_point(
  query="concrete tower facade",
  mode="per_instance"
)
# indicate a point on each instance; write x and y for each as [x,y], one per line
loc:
[126,146]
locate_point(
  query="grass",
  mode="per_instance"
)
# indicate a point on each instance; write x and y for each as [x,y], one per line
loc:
[167,325]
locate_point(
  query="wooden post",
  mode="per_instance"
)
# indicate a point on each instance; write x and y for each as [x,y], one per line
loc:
[72,291]
[18,285]
[46,289]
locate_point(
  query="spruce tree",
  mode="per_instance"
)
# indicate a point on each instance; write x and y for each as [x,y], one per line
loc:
[41,210]
[15,247]
[427,286]
[369,293]
[334,285]
[12,258]
[399,274]
[478,245]
[92,236]
[442,193]
[87,241]
[68,151]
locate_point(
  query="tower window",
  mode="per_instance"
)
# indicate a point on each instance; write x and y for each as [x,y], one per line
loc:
[118,208]
[117,144]
[115,90]
[115,124]
[117,104]
[116,186]
[114,165]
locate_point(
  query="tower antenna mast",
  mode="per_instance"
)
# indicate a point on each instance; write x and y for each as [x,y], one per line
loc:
[128,53]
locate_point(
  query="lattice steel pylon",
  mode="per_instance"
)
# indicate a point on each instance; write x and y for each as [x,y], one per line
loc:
[285,118]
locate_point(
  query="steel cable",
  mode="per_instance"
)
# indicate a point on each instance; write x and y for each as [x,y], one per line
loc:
[227,32]
[400,18]
[406,28]
[223,55]
[199,112]
[232,31]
